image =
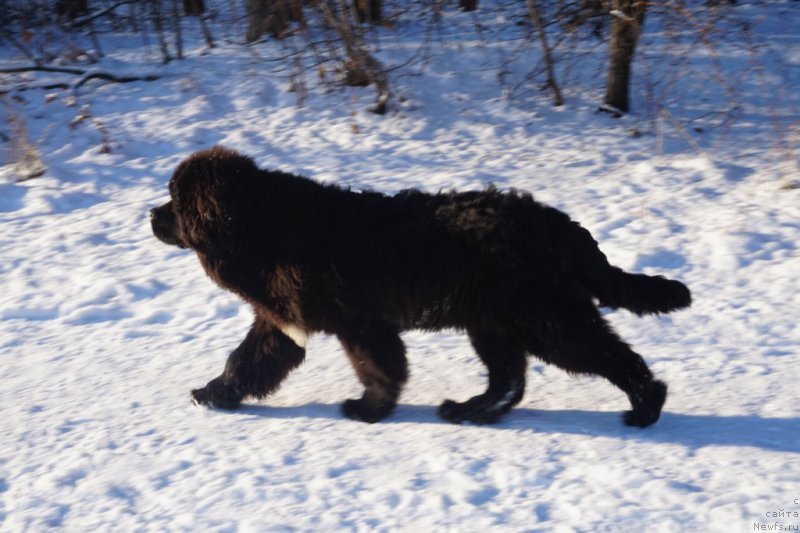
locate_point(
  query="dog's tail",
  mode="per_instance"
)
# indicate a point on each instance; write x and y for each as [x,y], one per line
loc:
[639,293]
[615,288]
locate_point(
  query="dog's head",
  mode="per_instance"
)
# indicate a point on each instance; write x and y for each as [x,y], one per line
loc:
[209,195]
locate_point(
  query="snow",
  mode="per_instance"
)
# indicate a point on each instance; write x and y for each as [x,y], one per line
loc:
[104,330]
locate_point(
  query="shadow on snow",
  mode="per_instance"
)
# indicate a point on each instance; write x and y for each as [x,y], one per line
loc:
[689,430]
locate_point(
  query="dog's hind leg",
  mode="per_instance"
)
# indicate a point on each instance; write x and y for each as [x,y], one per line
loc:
[506,361]
[586,344]
[379,358]
[255,368]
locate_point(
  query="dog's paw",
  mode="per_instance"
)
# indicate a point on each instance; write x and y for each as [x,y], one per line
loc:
[366,411]
[217,394]
[647,403]
[452,411]
[640,419]
[473,411]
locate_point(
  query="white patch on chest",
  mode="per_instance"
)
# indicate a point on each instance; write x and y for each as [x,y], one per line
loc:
[298,336]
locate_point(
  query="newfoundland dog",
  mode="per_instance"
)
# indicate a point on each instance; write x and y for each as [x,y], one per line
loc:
[517,276]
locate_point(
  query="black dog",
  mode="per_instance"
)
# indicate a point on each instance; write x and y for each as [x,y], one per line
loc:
[518,276]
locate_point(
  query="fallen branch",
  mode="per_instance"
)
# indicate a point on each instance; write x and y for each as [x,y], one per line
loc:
[42,68]
[99,74]
[85,76]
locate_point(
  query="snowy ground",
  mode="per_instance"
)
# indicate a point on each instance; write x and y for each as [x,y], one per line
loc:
[103,330]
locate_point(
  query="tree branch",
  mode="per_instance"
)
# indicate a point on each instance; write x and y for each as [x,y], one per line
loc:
[86,19]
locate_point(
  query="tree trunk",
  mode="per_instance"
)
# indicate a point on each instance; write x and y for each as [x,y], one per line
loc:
[626,25]
[368,10]
[176,28]
[193,7]
[257,14]
[271,16]
[71,9]
[158,23]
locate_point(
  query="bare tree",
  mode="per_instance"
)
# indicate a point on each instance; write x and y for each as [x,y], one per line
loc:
[361,68]
[536,15]
[626,25]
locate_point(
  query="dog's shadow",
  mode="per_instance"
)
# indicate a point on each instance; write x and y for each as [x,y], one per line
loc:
[692,431]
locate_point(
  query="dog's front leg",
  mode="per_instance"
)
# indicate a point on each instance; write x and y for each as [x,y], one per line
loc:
[256,368]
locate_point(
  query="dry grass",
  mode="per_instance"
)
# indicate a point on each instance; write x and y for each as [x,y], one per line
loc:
[21,153]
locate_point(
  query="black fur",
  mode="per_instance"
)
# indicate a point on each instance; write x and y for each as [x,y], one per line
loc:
[518,276]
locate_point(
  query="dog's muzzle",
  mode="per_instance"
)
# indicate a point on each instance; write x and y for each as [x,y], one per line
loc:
[163,223]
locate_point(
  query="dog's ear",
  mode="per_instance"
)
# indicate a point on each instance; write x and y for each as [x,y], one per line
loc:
[212,191]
